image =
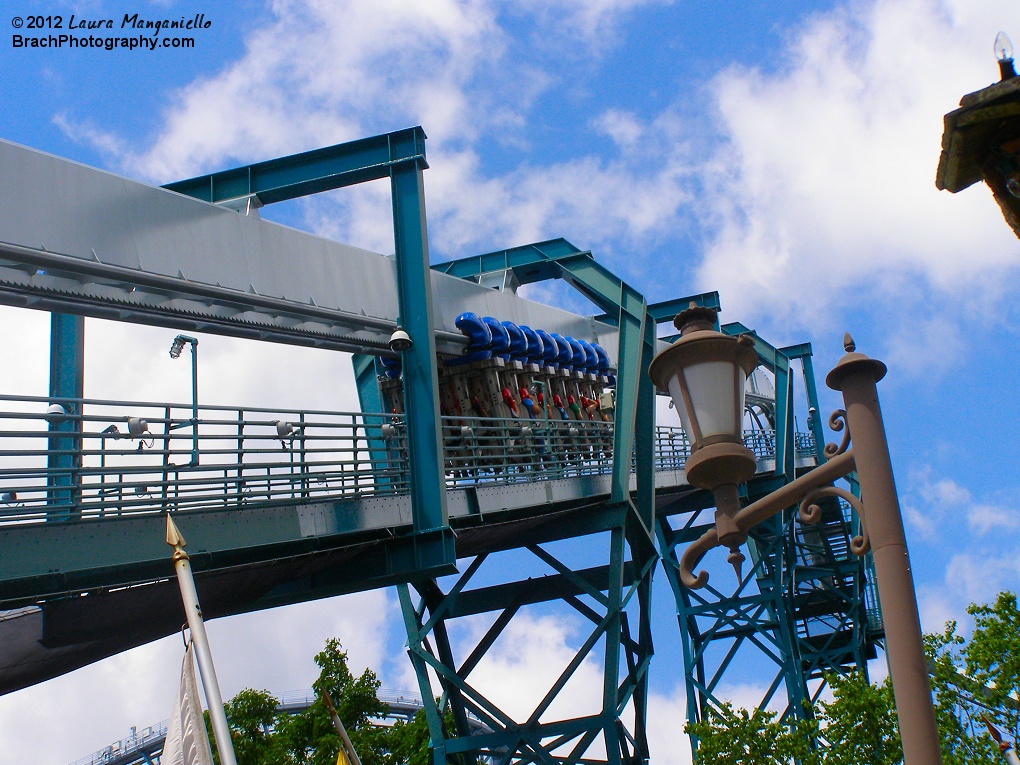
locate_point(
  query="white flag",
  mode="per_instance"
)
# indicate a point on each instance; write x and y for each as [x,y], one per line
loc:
[187,743]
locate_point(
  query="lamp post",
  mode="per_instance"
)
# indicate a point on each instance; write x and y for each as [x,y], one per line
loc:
[981,139]
[704,372]
[175,353]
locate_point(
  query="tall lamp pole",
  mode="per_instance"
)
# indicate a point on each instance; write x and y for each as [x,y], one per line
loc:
[705,373]
[175,353]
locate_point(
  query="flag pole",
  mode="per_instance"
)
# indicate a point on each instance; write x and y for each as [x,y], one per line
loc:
[345,741]
[186,580]
[1005,747]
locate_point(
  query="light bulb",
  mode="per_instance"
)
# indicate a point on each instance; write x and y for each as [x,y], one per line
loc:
[1003,47]
[1013,185]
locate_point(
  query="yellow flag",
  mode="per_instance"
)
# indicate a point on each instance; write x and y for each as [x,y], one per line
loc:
[341,759]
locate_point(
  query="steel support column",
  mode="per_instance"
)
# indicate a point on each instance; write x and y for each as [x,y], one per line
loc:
[434,541]
[366,377]
[67,374]
[400,156]
[612,599]
[633,438]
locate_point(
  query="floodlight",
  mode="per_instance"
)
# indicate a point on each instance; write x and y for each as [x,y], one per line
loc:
[178,345]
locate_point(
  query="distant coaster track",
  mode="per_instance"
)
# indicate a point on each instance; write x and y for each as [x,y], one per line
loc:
[145,747]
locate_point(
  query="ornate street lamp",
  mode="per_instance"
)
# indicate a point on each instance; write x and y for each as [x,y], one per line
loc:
[704,372]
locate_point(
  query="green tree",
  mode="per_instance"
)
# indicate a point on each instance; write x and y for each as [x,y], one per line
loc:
[971,679]
[310,738]
[262,735]
[739,737]
[859,723]
[975,679]
[857,726]
[254,719]
[410,742]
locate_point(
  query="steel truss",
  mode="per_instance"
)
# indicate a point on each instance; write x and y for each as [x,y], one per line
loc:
[614,599]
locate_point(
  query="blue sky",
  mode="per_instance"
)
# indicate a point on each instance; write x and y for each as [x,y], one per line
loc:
[781,153]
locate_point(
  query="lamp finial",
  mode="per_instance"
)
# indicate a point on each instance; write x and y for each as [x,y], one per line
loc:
[848,343]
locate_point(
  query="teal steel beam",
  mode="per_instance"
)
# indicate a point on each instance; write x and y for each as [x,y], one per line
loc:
[433,715]
[779,364]
[400,156]
[815,419]
[538,590]
[67,381]
[530,263]
[367,370]
[366,378]
[611,658]
[602,595]
[666,310]
[644,438]
[311,172]
[633,436]
[420,376]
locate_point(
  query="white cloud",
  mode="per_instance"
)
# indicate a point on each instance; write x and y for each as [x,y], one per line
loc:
[520,668]
[270,650]
[667,715]
[320,73]
[593,22]
[85,132]
[930,503]
[920,521]
[985,519]
[945,492]
[935,609]
[977,577]
[824,188]
[624,128]
[275,649]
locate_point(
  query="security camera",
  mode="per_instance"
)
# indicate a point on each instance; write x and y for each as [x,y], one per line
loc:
[56,413]
[400,341]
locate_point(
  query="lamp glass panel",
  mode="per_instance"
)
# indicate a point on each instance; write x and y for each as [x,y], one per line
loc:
[673,386]
[711,385]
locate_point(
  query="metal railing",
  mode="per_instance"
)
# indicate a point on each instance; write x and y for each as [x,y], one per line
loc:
[76,459]
[128,749]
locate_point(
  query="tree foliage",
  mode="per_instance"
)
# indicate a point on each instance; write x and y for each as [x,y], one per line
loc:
[975,679]
[855,727]
[972,680]
[262,735]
